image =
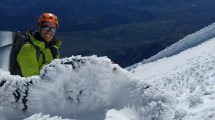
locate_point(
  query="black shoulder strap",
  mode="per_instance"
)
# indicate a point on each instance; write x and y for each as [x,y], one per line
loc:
[39,52]
[54,52]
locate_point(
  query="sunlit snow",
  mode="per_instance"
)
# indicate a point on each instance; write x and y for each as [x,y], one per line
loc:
[83,88]
[190,75]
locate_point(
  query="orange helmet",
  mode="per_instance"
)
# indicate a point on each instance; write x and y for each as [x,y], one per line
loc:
[48,17]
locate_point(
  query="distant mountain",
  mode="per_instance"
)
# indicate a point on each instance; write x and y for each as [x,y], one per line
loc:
[74,15]
[118,29]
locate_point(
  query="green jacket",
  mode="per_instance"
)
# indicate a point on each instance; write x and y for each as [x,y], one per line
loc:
[27,59]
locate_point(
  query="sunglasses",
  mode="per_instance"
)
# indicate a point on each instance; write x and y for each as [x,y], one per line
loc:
[47,28]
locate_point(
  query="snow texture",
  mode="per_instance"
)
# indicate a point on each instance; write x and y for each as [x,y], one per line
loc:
[190,77]
[39,116]
[82,88]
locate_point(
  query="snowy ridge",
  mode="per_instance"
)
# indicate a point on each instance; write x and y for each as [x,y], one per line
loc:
[190,76]
[83,88]
[187,42]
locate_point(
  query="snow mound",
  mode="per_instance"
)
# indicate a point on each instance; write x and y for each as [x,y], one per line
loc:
[83,88]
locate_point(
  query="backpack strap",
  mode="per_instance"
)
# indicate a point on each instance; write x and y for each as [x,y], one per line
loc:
[39,52]
[54,52]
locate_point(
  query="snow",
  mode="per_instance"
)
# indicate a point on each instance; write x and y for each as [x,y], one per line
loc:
[190,76]
[128,113]
[6,39]
[83,88]
[175,84]
[39,116]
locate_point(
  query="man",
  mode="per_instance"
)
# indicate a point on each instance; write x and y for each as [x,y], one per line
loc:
[29,62]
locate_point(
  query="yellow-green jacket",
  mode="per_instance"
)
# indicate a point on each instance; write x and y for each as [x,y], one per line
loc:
[27,58]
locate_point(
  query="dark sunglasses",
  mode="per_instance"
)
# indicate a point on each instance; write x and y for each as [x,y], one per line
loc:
[47,28]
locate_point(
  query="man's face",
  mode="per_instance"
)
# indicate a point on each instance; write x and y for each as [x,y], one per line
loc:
[48,30]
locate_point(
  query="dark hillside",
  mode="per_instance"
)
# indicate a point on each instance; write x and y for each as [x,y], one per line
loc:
[127,31]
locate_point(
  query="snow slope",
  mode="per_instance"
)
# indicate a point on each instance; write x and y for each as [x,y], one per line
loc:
[190,76]
[187,42]
[82,88]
